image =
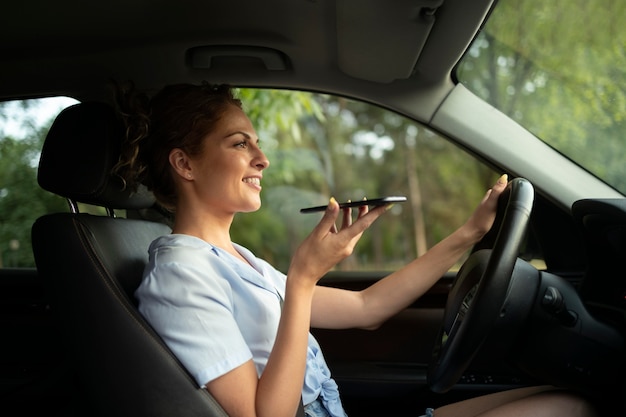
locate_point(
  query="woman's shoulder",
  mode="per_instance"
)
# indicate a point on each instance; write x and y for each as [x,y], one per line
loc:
[175,240]
[179,248]
[182,258]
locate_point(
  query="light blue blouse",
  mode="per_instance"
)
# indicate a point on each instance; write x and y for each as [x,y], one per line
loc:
[216,312]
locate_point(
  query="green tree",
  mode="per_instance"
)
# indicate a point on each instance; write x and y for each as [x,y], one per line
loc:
[21,199]
[523,64]
[350,150]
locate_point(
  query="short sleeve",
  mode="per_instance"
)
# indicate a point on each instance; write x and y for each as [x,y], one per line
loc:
[190,304]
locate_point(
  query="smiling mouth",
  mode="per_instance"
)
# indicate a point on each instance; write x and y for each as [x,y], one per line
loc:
[255,181]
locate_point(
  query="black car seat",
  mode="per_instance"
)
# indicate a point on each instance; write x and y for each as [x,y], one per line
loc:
[93,264]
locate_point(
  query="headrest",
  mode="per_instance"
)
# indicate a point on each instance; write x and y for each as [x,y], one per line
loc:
[78,154]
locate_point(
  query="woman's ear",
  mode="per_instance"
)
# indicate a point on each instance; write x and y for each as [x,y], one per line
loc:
[180,162]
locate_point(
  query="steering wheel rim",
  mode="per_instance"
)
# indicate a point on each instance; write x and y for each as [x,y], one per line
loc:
[480,288]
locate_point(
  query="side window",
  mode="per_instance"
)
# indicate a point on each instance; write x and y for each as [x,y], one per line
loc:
[351,150]
[318,145]
[23,126]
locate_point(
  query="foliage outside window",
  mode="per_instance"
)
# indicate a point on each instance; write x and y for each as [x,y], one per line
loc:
[23,126]
[319,146]
[351,150]
[564,82]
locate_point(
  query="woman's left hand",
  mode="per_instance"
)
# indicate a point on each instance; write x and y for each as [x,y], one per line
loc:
[483,217]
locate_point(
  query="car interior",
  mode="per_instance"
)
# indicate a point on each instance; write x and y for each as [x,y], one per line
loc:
[540,300]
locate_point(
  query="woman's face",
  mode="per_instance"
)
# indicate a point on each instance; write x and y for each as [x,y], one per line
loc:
[227,174]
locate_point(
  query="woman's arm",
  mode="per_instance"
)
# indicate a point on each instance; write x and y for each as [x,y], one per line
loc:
[369,308]
[278,390]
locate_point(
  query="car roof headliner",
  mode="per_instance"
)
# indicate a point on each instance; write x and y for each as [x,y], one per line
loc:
[399,54]
[399,51]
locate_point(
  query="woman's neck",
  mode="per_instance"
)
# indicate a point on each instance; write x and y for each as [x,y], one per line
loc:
[210,228]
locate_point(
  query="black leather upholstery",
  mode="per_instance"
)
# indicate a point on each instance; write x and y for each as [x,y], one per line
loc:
[93,265]
[82,146]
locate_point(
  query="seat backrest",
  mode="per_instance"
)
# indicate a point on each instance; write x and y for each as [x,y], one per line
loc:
[93,264]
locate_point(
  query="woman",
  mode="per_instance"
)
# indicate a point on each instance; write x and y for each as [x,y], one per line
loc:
[238,325]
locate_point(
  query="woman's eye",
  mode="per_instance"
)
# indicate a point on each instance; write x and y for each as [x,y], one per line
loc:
[242,144]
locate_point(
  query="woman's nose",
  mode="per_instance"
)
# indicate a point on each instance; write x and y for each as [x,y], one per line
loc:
[261,160]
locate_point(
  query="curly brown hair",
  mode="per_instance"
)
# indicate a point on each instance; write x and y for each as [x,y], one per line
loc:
[178,116]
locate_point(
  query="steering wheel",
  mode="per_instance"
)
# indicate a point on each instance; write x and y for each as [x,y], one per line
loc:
[479,290]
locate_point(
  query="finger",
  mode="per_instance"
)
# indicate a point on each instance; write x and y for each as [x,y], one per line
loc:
[501,183]
[347,217]
[363,222]
[497,189]
[486,197]
[363,210]
[499,186]
[327,223]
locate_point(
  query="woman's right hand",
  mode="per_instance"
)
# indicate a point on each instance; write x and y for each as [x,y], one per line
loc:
[326,245]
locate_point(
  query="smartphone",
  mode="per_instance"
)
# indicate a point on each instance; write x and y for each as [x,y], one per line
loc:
[371,202]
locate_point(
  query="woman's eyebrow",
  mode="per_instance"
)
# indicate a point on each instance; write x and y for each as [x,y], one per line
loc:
[244,134]
[239,132]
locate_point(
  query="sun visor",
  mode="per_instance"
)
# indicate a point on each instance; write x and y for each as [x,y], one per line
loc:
[383,41]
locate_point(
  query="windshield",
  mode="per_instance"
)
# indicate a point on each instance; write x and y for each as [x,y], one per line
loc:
[558,69]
